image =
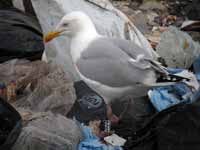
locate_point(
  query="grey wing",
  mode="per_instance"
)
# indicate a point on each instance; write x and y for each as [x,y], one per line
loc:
[130,48]
[106,63]
[133,50]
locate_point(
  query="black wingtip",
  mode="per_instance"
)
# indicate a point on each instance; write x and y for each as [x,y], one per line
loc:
[172,78]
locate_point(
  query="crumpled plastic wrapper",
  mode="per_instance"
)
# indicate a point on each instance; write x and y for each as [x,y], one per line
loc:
[43,87]
[178,49]
[48,131]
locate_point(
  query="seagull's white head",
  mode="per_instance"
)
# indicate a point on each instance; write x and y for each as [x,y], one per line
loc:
[71,25]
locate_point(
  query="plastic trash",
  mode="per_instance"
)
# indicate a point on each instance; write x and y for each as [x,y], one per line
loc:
[168,96]
[6,4]
[20,36]
[175,128]
[177,48]
[40,86]
[10,126]
[115,140]
[88,106]
[47,131]
[191,26]
[196,66]
[92,142]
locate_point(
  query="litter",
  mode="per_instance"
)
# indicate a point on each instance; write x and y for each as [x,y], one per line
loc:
[175,128]
[177,48]
[3,91]
[88,105]
[47,131]
[191,26]
[10,126]
[115,140]
[93,142]
[107,126]
[40,86]
[196,67]
[165,97]
[20,36]
[44,94]
[11,91]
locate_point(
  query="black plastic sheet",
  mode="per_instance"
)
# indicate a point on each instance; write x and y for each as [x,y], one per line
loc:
[10,125]
[176,128]
[20,36]
[6,4]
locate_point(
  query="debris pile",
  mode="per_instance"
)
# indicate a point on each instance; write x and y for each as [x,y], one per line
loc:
[45,106]
[152,18]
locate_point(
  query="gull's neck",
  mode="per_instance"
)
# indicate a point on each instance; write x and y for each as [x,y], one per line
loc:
[81,40]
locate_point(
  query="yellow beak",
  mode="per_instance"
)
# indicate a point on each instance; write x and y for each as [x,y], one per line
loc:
[51,35]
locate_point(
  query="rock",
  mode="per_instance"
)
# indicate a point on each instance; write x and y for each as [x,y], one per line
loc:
[177,48]
[50,132]
[108,20]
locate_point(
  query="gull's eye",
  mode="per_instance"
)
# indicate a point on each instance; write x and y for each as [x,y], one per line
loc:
[65,24]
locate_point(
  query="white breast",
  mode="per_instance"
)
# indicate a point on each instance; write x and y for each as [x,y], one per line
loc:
[80,43]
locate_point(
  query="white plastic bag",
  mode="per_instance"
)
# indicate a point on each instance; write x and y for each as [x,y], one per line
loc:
[177,48]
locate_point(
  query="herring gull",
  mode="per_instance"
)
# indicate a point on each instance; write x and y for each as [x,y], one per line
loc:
[113,67]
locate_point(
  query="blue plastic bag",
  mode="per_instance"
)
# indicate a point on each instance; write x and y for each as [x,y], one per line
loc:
[92,142]
[165,97]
